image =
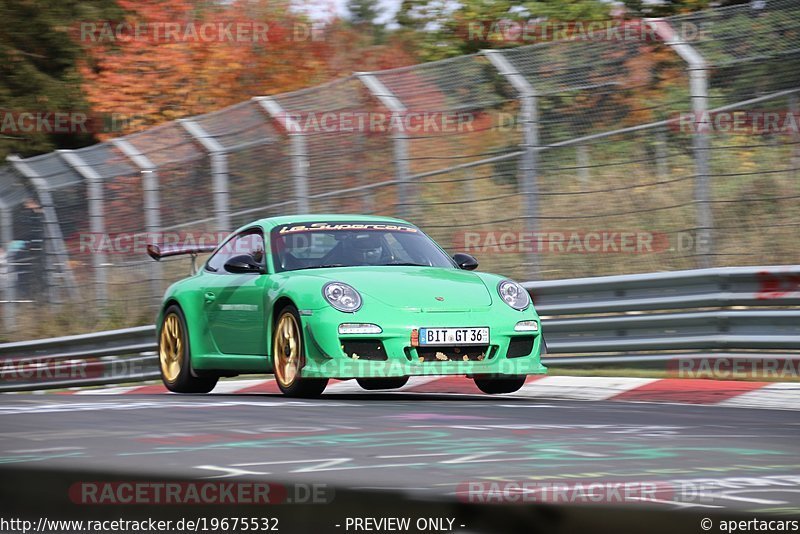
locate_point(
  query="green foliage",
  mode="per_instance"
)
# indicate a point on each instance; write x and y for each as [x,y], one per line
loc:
[38,55]
[643,8]
[363,16]
[445,29]
[666,8]
[362,11]
[772,37]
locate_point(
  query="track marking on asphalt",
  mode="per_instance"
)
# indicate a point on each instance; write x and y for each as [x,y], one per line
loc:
[576,453]
[235,386]
[230,471]
[321,464]
[771,397]
[733,496]
[49,449]
[690,392]
[676,504]
[581,387]
[783,396]
[390,488]
[351,386]
[345,387]
[566,407]
[731,394]
[106,391]
[731,404]
[421,455]
[152,405]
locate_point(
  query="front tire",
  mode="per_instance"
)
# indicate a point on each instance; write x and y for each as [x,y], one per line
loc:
[287,353]
[175,356]
[505,384]
[372,384]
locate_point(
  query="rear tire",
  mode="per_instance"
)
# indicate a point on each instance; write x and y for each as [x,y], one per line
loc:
[175,356]
[505,384]
[372,384]
[287,352]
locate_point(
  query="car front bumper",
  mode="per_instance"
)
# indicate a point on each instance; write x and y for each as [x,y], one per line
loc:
[326,357]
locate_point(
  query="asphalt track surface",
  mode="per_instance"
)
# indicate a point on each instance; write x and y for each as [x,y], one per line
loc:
[704,457]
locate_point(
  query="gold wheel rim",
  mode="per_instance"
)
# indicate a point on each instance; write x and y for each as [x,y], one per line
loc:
[287,349]
[171,348]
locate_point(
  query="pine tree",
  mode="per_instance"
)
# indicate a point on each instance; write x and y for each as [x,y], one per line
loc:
[38,68]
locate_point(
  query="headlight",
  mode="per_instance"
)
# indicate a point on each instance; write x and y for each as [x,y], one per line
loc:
[342,296]
[513,294]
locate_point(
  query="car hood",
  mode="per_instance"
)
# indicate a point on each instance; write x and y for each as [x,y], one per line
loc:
[425,288]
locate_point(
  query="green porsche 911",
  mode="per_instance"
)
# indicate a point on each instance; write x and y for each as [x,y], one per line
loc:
[314,297]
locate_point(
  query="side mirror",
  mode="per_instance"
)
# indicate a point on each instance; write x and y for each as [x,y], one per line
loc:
[244,264]
[465,261]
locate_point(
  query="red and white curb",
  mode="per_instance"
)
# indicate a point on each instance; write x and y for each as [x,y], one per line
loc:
[732,393]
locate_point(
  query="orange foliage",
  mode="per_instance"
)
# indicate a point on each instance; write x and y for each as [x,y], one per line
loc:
[155,80]
[652,73]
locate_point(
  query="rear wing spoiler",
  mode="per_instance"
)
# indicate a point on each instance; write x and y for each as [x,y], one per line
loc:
[166,251]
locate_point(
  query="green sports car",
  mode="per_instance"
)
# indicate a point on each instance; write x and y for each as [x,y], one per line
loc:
[314,297]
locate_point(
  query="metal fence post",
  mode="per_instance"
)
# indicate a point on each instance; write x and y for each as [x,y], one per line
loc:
[399,139]
[795,164]
[9,287]
[53,239]
[152,205]
[6,225]
[219,172]
[299,153]
[698,92]
[662,155]
[529,165]
[583,161]
[94,186]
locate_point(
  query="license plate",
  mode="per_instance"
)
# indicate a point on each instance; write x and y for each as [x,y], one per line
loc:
[454,336]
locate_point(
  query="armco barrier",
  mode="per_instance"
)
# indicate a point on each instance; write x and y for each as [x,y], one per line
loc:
[772,286]
[99,358]
[727,309]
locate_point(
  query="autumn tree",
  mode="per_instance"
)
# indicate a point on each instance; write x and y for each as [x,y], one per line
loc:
[156,78]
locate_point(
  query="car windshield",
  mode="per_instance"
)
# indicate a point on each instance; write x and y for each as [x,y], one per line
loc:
[318,245]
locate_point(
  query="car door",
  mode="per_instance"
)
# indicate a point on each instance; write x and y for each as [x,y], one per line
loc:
[234,303]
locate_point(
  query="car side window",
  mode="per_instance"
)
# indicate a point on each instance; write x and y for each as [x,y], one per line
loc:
[248,242]
[218,259]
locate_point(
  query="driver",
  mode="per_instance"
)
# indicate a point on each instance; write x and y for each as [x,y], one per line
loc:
[365,249]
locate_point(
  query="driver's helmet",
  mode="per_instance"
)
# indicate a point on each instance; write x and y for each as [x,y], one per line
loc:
[366,248]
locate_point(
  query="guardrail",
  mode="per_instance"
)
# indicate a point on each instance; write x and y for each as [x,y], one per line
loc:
[732,308]
[729,309]
[112,357]
[676,290]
